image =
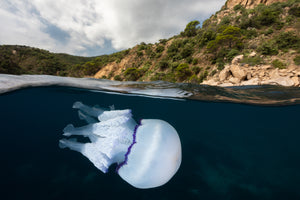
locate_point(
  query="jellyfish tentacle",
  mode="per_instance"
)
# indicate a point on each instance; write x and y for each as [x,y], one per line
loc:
[84,130]
[83,116]
[71,144]
[91,111]
[99,159]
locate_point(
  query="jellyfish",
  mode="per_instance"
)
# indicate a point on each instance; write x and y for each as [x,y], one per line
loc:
[148,153]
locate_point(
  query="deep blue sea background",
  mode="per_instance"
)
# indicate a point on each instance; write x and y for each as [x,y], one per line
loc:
[230,151]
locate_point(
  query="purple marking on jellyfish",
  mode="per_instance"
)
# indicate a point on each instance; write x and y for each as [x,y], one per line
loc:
[129,148]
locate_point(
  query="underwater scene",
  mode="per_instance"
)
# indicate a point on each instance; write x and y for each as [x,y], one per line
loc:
[236,143]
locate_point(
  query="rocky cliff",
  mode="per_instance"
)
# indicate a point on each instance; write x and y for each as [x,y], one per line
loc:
[239,45]
[250,3]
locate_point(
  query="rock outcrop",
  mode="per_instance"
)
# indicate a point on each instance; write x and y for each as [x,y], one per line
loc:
[250,3]
[237,74]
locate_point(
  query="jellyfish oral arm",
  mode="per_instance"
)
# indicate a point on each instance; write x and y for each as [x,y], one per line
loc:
[109,138]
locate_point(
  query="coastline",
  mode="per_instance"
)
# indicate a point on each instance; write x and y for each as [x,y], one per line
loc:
[239,74]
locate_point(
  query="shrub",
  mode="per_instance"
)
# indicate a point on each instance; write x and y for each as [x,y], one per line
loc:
[140,53]
[182,72]
[194,79]
[225,21]
[163,64]
[232,53]
[160,48]
[213,72]
[141,47]
[237,7]
[189,60]
[163,77]
[191,29]
[132,74]
[287,40]
[196,69]
[174,65]
[269,31]
[268,48]
[186,51]
[203,76]
[267,17]
[256,60]
[163,41]
[251,33]
[145,68]
[195,61]
[207,36]
[148,51]
[297,60]
[295,11]
[174,48]
[278,64]
[117,78]
[220,65]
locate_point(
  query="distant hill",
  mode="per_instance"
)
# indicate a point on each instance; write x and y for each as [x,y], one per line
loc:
[16,59]
[246,42]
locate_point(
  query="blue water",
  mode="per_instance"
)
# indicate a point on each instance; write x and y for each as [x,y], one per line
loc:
[230,151]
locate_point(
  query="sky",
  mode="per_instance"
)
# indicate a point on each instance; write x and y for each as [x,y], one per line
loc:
[97,27]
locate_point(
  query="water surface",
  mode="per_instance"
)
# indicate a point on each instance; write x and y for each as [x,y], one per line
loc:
[230,150]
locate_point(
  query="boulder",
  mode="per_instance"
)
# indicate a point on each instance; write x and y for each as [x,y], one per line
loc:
[262,73]
[254,81]
[238,72]
[224,74]
[237,59]
[249,75]
[274,74]
[234,80]
[253,54]
[284,81]
[211,82]
[267,67]
[296,81]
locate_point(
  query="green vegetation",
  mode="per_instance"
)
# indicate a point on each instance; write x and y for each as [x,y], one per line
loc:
[268,48]
[183,72]
[278,64]
[132,74]
[191,29]
[272,32]
[287,40]
[256,60]
[27,60]
[297,60]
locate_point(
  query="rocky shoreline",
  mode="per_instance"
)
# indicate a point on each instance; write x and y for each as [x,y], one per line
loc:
[239,74]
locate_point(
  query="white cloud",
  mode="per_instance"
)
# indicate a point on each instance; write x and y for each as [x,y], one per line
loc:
[88,23]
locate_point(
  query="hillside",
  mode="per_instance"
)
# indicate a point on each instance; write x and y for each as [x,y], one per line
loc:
[266,36]
[16,59]
[247,42]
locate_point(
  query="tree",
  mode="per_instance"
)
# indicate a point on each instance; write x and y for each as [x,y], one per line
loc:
[191,28]
[229,38]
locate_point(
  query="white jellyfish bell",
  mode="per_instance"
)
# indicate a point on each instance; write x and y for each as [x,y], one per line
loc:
[148,154]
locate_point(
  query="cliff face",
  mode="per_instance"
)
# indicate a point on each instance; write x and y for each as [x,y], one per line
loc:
[250,3]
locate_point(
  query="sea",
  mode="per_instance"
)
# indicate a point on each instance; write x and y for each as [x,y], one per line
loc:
[239,143]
